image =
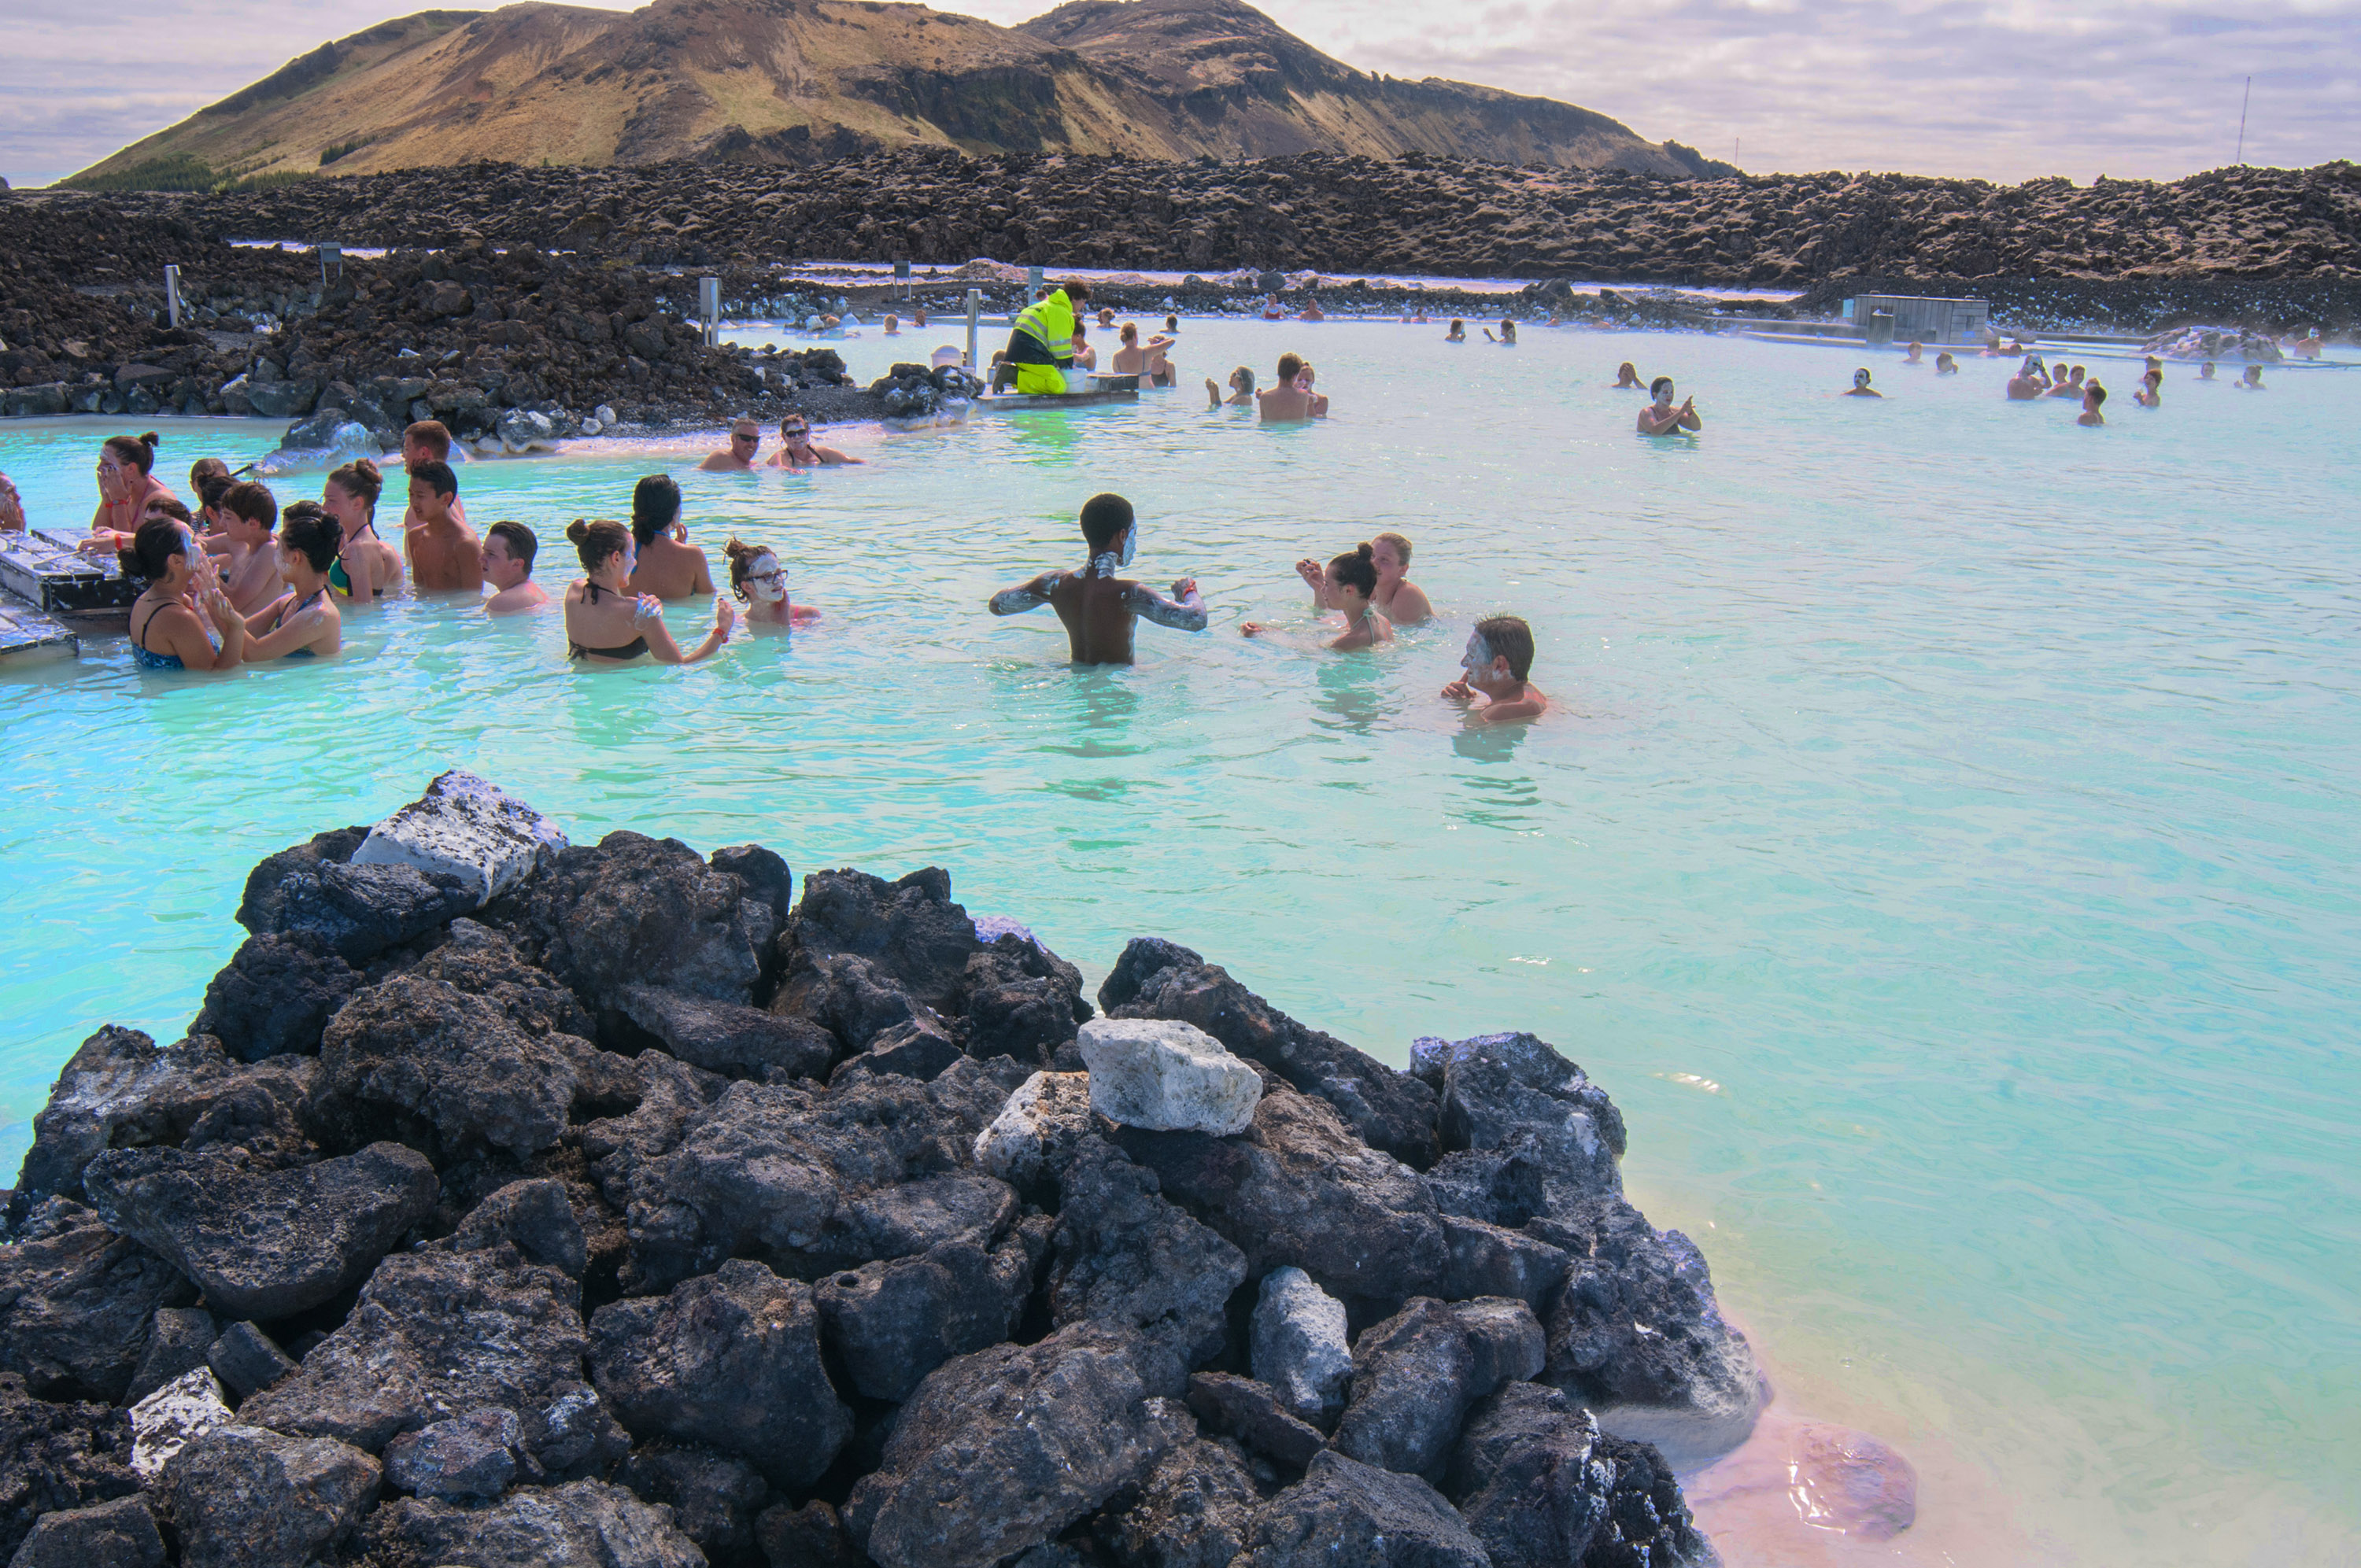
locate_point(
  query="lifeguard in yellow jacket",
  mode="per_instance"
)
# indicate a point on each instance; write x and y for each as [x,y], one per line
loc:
[1041,343]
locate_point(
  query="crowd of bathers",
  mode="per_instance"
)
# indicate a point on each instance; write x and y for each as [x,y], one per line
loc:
[242,580]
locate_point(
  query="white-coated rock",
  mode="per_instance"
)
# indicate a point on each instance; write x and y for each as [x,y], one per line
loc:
[1298,1345]
[1167,1077]
[467,828]
[167,1421]
[1048,1109]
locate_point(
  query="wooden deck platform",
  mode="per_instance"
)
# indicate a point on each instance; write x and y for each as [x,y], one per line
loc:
[1105,390]
[43,570]
[27,635]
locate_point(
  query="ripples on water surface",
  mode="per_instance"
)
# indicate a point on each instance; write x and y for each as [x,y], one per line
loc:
[1943,849]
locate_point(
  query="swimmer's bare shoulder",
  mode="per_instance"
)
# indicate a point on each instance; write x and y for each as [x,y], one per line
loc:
[1029,594]
[1531,703]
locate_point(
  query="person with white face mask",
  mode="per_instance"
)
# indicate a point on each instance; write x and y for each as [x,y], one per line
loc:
[1495,663]
[1098,604]
[759,580]
[1861,387]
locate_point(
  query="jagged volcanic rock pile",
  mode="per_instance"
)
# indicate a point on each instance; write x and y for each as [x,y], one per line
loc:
[640,1215]
[464,335]
[1336,213]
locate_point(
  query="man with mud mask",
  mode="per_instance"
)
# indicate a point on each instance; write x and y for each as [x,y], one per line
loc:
[1496,663]
[1099,608]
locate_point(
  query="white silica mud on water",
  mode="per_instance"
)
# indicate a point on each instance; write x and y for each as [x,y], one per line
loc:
[1941,846]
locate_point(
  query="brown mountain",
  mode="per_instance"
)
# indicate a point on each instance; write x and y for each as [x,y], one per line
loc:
[794,82]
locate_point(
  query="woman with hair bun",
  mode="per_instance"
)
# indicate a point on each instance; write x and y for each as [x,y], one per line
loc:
[1348,583]
[606,623]
[757,578]
[126,483]
[167,630]
[305,620]
[367,567]
[1399,601]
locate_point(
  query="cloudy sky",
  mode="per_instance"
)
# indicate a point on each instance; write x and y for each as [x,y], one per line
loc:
[1999,89]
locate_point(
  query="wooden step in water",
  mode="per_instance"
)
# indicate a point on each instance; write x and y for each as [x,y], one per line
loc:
[1125,390]
[27,635]
[44,570]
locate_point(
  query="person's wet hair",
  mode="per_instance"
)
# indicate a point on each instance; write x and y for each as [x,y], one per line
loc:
[655,506]
[599,539]
[519,540]
[361,479]
[1400,544]
[1661,384]
[158,541]
[429,435]
[1290,367]
[253,502]
[438,476]
[1105,517]
[1243,379]
[166,505]
[212,488]
[137,451]
[308,530]
[2095,392]
[1356,569]
[1510,638]
[206,468]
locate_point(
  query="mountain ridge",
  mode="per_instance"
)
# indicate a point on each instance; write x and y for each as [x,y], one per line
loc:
[795,83]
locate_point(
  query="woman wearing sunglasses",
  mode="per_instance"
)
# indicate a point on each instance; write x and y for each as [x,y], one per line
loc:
[795,432]
[757,577]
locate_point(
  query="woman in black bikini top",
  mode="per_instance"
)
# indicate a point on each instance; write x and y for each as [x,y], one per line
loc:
[303,623]
[598,606]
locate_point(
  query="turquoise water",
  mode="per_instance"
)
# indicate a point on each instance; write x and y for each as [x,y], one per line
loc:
[1943,847]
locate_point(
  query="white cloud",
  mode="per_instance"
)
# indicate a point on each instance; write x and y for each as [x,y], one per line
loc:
[1997,89]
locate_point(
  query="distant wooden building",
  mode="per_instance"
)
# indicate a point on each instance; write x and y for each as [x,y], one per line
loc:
[1919,318]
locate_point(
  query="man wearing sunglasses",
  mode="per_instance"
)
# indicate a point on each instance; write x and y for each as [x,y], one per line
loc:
[745,437]
[795,432]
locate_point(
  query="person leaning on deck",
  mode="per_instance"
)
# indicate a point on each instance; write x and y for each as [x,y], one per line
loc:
[1041,341]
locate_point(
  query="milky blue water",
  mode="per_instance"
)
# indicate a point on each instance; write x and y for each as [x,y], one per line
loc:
[1943,847]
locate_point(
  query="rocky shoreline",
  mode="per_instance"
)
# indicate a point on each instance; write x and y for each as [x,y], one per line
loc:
[610,1205]
[515,303]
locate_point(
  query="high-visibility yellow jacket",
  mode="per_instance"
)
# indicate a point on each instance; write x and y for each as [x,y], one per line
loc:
[1043,333]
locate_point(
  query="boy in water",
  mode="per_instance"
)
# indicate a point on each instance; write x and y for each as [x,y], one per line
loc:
[428,441]
[248,512]
[445,556]
[1499,656]
[1098,607]
[509,550]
